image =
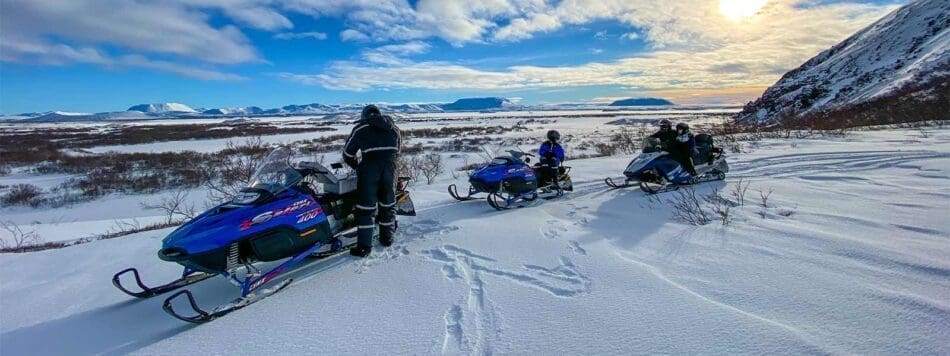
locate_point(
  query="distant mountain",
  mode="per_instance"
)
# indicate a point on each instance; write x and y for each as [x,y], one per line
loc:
[411,108]
[641,102]
[249,110]
[897,66]
[300,109]
[162,108]
[59,116]
[469,104]
[324,111]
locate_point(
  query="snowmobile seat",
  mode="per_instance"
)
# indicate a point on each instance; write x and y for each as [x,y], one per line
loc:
[330,181]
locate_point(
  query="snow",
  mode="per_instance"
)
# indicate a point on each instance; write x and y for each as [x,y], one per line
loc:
[850,257]
[163,108]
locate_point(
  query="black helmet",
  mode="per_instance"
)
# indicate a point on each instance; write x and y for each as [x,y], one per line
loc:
[554,136]
[682,126]
[370,111]
[666,124]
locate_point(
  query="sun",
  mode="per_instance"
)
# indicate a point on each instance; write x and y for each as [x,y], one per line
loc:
[735,10]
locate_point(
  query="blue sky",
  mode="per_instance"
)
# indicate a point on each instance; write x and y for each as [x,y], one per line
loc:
[106,55]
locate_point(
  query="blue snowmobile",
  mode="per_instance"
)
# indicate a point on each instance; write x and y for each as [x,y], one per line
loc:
[282,214]
[655,170]
[510,180]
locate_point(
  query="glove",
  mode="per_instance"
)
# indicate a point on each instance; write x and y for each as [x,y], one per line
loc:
[350,161]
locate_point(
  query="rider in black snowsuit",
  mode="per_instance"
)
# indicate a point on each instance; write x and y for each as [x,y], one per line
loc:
[378,138]
[666,135]
[683,148]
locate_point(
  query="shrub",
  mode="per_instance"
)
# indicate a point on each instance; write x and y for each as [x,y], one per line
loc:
[431,166]
[23,194]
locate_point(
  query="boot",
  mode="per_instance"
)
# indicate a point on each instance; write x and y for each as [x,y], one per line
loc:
[387,234]
[360,251]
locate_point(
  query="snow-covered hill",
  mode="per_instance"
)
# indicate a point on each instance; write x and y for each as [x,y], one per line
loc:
[248,110]
[641,102]
[848,256]
[471,104]
[162,108]
[905,53]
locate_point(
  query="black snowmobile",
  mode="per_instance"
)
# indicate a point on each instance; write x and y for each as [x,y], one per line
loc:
[655,170]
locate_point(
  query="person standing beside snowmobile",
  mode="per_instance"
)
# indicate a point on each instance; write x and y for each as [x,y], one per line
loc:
[551,154]
[379,140]
[666,135]
[684,148]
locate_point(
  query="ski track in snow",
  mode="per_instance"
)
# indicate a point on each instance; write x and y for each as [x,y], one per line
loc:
[810,166]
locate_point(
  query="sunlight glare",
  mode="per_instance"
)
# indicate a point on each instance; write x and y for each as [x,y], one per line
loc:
[735,10]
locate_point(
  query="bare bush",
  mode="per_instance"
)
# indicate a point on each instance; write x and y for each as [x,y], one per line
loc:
[764,200]
[4,170]
[19,239]
[720,206]
[409,166]
[234,173]
[764,196]
[431,167]
[605,148]
[688,207]
[174,207]
[739,191]
[23,194]
[625,140]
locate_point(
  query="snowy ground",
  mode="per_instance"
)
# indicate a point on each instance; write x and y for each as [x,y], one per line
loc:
[851,257]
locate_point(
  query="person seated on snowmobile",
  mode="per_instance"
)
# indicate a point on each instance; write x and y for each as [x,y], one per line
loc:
[550,157]
[666,136]
[684,148]
[378,138]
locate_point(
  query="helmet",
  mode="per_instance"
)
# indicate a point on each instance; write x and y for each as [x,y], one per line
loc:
[370,111]
[682,126]
[554,136]
[666,124]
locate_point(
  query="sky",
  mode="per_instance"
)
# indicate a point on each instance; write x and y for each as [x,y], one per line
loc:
[107,55]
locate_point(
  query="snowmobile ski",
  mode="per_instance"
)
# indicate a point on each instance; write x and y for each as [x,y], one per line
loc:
[202,316]
[249,287]
[453,191]
[188,277]
[626,183]
[665,186]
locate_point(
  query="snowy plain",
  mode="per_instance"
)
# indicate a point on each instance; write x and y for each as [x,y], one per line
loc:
[849,257]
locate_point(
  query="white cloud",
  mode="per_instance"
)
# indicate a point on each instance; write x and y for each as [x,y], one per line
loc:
[300,35]
[353,35]
[600,35]
[596,50]
[60,54]
[164,28]
[691,54]
[630,36]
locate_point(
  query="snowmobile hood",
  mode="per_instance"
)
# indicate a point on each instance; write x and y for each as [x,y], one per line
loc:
[227,223]
[494,173]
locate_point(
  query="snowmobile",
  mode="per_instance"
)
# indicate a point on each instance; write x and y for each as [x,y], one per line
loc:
[655,171]
[282,214]
[509,180]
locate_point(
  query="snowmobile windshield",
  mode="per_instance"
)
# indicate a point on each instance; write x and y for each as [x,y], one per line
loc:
[276,172]
[499,162]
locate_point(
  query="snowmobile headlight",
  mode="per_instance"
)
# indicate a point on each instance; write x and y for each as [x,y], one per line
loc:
[245,198]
